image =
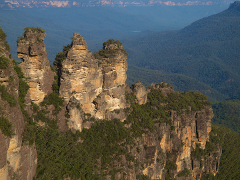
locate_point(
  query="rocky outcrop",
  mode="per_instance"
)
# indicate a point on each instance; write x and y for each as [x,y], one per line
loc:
[179,149]
[140,92]
[17,160]
[164,138]
[96,82]
[35,66]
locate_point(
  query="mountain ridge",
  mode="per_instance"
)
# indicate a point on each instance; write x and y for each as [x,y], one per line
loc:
[12,4]
[206,50]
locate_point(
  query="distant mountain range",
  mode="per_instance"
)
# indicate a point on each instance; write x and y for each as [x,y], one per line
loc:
[87,3]
[208,50]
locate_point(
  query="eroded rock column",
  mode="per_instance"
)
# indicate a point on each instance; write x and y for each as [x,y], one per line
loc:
[35,66]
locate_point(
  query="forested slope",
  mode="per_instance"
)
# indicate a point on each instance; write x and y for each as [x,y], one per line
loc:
[207,50]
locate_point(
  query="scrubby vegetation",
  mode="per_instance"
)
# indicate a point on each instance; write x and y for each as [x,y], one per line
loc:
[79,155]
[6,126]
[34,29]
[184,172]
[227,113]
[6,96]
[108,52]
[4,62]
[2,35]
[230,162]
[61,56]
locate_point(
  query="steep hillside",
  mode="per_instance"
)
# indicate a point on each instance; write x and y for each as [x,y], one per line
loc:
[207,50]
[178,81]
[227,113]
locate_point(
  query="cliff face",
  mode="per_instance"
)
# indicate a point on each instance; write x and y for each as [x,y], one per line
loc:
[151,133]
[16,159]
[179,148]
[35,65]
[96,82]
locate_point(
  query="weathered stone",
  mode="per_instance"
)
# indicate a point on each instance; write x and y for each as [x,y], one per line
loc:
[140,92]
[12,154]
[35,65]
[163,87]
[97,84]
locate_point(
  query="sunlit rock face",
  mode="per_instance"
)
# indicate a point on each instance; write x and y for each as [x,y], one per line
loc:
[114,69]
[80,77]
[176,143]
[35,65]
[97,83]
[16,159]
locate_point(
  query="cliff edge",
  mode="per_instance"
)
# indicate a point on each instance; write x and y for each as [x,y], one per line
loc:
[86,123]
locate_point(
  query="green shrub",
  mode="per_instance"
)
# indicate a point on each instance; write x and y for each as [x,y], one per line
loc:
[4,62]
[29,134]
[19,72]
[7,96]
[185,172]
[55,100]
[142,177]
[23,89]
[34,29]
[2,35]
[8,48]
[6,126]
[170,165]
[109,53]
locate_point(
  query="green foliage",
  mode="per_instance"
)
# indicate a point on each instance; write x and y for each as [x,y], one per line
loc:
[6,126]
[170,165]
[34,29]
[179,81]
[55,100]
[142,177]
[19,72]
[230,163]
[23,88]
[207,50]
[61,56]
[6,96]
[198,153]
[60,155]
[109,52]
[184,172]
[29,134]
[4,62]
[2,35]
[227,113]
[55,86]
[112,41]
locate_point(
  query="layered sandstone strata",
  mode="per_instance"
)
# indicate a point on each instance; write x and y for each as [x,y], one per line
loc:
[35,66]
[96,82]
[176,143]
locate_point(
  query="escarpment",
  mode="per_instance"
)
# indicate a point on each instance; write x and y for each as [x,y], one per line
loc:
[88,124]
[35,66]
[17,159]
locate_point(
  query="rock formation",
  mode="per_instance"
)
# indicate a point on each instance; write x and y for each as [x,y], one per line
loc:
[96,82]
[174,140]
[178,150]
[17,160]
[140,92]
[35,65]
